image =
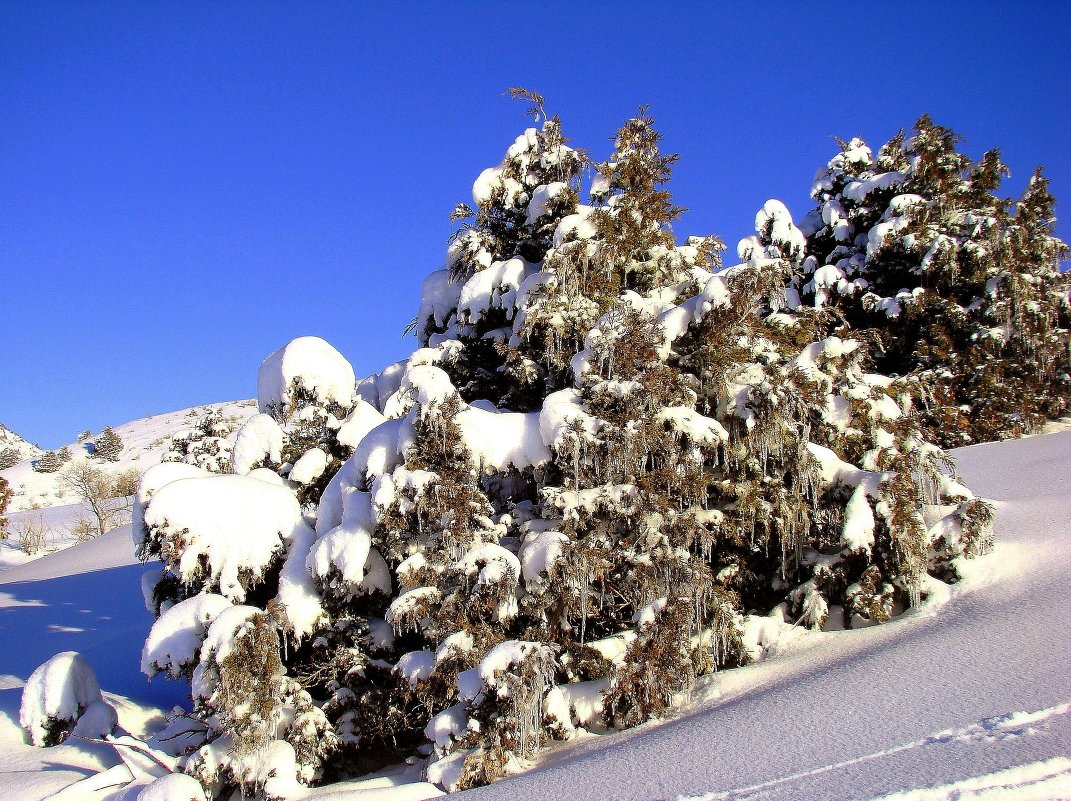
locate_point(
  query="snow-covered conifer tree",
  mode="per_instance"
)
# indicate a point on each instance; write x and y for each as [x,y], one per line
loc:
[950,283]
[494,257]
[204,444]
[51,461]
[107,445]
[622,242]
[235,600]
[5,498]
[9,457]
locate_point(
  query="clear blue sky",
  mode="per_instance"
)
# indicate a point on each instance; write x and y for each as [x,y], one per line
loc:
[185,187]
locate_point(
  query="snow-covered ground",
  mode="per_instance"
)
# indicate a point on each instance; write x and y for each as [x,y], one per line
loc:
[966,699]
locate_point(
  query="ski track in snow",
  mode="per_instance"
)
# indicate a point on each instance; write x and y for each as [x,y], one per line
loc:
[1049,780]
[993,729]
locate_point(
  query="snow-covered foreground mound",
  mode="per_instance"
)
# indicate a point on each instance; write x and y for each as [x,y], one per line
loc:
[966,701]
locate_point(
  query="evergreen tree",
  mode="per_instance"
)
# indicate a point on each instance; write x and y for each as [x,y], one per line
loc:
[624,243]
[950,283]
[107,445]
[51,461]
[496,255]
[9,457]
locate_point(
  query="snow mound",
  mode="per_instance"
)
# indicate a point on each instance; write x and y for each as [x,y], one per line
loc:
[173,787]
[57,694]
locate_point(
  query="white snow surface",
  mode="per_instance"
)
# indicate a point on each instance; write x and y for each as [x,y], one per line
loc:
[970,699]
[173,787]
[229,523]
[315,364]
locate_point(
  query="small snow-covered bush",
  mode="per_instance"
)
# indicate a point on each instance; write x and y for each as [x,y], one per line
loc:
[205,444]
[59,695]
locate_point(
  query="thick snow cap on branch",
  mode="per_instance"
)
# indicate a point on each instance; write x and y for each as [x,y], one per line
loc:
[310,362]
[218,644]
[156,477]
[176,637]
[309,467]
[774,224]
[298,594]
[562,412]
[500,440]
[230,525]
[675,321]
[259,439]
[541,197]
[360,421]
[346,549]
[494,288]
[439,297]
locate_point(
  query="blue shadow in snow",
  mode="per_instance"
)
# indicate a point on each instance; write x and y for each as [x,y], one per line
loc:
[100,614]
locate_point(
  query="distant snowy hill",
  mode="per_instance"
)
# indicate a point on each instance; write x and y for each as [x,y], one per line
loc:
[42,511]
[968,697]
[144,441]
[9,440]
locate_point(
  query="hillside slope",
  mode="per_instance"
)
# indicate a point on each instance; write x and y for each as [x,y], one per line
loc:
[144,443]
[42,512]
[932,702]
[9,440]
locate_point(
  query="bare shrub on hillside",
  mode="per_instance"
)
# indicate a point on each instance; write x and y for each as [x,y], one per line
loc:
[107,497]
